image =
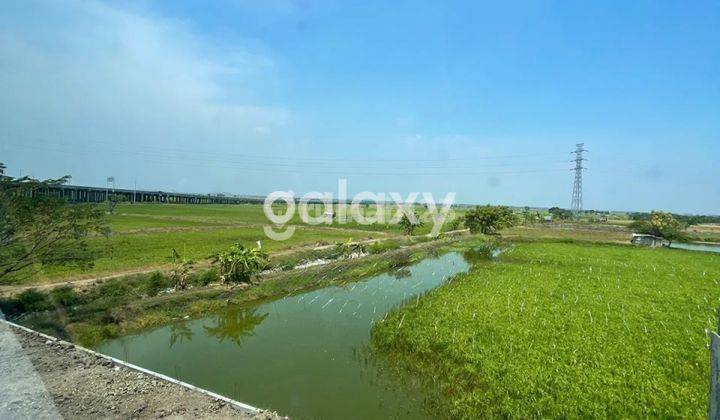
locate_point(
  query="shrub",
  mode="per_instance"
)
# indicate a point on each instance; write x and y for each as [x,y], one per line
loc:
[65,296]
[155,283]
[238,264]
[383,246]
[349,248]
[113,289]
[455,223]
[400,259]
[34,301]
[205,278]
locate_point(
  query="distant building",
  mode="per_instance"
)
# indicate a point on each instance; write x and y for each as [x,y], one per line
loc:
[648,240]
[547,218]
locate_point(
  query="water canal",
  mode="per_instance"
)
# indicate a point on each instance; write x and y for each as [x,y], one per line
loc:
[303,355]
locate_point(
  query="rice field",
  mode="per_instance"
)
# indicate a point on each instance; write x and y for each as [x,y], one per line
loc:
[144,235]
[564,330]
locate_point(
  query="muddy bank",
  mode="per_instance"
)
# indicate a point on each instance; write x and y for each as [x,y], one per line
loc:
[83,385]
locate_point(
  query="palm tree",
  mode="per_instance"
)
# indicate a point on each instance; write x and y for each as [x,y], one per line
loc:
[238,264]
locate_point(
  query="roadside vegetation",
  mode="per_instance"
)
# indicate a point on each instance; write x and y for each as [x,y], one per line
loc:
[141,237]
[134,303]
[564,330]
[38,229]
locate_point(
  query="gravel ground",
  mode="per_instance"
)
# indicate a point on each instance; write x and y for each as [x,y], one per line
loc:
[83,385]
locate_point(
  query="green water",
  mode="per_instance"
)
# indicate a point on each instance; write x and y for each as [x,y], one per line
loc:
[303,355]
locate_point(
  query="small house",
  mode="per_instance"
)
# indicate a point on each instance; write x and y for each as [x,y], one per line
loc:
[648,240]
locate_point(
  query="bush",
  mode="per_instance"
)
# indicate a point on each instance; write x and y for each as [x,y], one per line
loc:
[383,246]
[155,283]
[401,259]
[205,278]
[113,289]
[455,223]
[34,301]
[65,296]
[238,264]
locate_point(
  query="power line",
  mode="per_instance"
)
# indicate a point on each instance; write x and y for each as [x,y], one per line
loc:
[286,160]
[302,168]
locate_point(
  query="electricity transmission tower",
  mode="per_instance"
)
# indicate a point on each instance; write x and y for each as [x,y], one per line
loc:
[577,204]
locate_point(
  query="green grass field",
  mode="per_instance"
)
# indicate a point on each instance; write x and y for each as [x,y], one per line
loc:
[144,235]
[564,330]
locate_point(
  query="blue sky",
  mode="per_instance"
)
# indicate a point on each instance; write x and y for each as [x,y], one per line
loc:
[484,99]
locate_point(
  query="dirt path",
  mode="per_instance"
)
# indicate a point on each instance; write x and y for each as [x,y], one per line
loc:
[86,385]
[9,291]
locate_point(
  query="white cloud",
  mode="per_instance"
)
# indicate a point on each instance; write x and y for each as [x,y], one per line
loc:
[74,72]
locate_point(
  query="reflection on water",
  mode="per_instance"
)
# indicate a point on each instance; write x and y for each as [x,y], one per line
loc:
[235,324]
[300,355]
[180,332]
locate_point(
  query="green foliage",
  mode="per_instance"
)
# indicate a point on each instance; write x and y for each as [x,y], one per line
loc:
[91,335]
[65,296]
[38,228]
[560,214]
[349,248]
[409,221]
[489,219]
[180,272]
[205,278]
[400,259]
[455,223]
[156,282]
[564,331]
[383,246]
[661,224]
[113,200]
[238,264]
[33,300]
[528,217]
[115,288]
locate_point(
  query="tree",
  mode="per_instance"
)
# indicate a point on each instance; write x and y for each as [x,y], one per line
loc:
[238,264]
[182,267]
[113,200]
[560,214]
[661,224]
[488,219]
[409,223]
[528,217]
[39,228]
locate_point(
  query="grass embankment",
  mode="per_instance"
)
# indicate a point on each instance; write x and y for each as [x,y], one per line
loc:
[134,303]
[578,232]
[565,330]
[144,235]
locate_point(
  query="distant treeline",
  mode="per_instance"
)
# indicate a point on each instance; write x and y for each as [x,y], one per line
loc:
[686,219]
